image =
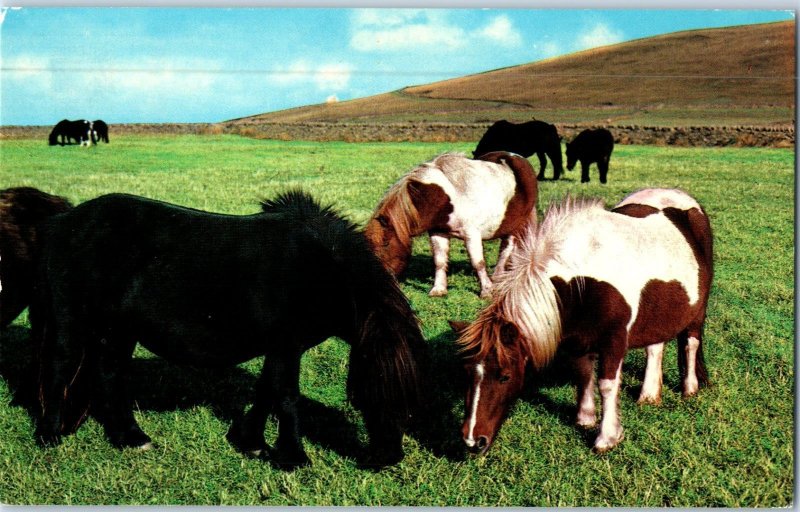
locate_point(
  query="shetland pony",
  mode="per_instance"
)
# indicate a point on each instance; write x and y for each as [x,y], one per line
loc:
[454,196]
[215,290]
[593,284]
[80,131]
[641,204]
[99,131]
[591,146]
[524,139]
[21,211]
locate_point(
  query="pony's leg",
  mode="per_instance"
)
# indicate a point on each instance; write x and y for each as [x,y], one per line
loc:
[690,359]
[278,389]
[610,378]
[542,165]
[585,171]
[602,166]
[474,244]
[584,387]
[440,247]
[62,362]
[506,248]
[112,404]
[651,387]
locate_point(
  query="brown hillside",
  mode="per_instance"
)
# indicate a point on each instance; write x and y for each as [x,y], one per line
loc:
[736,75]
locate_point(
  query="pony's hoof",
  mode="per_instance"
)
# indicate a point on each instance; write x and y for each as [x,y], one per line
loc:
[437,292]
[253,448]
[45,440]
[133,438]
[287,461]
[649,400]
[605,445]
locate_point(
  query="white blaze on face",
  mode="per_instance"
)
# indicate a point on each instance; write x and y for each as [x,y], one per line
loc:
[473,416]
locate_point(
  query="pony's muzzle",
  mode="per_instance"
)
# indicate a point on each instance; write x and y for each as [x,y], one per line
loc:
[477,446]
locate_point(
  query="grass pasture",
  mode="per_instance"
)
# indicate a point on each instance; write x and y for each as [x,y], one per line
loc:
[732,445]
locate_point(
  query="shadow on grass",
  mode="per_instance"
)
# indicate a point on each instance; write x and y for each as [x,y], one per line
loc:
[160,386]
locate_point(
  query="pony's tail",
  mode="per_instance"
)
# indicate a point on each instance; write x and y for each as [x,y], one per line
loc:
[387,361]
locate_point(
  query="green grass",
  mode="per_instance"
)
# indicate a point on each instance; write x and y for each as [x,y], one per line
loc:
[730,446]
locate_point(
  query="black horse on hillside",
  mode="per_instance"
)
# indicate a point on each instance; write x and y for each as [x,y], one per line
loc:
[588,147]
[524,139]
[216,290]
[66,131]
[21,211]
[99,131]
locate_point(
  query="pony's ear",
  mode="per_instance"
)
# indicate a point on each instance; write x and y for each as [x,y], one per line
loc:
[458,326]
[508,333]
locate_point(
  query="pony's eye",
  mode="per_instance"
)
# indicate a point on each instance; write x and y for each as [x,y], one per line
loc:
[505,378]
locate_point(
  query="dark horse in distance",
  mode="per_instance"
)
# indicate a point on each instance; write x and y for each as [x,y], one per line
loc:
[66,131]
[216,290]
[524,139]
[591,146]
[21,211]
[99,131]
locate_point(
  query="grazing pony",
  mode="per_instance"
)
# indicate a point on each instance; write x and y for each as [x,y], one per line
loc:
[215,290]
[641,204]
[524,139]
[592,284]
[454,196]
[21,211]
[591,146]
[99,131]
[80,131]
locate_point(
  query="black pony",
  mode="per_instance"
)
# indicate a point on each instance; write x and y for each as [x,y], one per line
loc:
[99,131]
[215,290]
[79,131]
[588,147]
[524,139]
[21,210]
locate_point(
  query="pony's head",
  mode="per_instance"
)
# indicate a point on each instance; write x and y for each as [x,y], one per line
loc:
[392,226]
[521,326]
[387,245]
[572,156]
[495,369]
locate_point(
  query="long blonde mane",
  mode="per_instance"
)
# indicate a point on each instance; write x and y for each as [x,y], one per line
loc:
[397,206]
[524,295]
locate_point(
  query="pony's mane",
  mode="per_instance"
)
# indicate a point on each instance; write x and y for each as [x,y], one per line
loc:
[399,210]
[397,206]
[524,295]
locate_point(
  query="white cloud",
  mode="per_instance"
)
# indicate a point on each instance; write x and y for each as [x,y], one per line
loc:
[600,35]
[385,17]
[331,76]
[501,31]
[548,49]
[400,29]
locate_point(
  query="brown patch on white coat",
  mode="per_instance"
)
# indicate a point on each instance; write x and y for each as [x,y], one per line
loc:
[690,356]
[595,284]
[454,196]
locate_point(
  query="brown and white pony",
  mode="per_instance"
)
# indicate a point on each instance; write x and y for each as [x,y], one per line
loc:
[592,283]
[455,196]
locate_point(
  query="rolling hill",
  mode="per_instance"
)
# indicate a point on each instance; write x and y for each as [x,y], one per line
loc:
[741,75]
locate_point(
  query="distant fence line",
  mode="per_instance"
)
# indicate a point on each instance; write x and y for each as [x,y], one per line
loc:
[740,136]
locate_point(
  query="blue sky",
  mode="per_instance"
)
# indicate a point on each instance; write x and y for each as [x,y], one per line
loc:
[213,64]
